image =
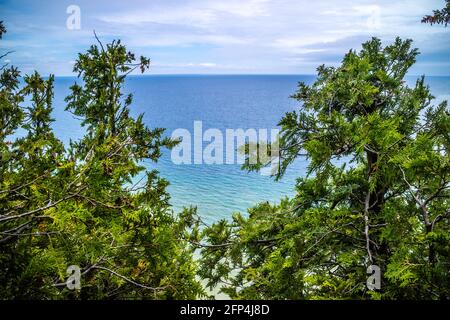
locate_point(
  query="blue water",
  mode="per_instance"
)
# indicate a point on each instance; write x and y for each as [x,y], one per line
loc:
[219,102]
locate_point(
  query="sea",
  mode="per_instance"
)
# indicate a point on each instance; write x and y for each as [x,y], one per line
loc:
[220,102]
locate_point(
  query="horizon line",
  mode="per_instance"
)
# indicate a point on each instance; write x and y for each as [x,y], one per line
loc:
[235,74]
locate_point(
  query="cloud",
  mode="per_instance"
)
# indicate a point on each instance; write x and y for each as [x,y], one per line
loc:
[190,16]
[200,13]
[187,65]
[250,8]
[181,39]
[235,35]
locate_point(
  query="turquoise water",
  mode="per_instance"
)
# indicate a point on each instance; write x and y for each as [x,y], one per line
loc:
[222,102]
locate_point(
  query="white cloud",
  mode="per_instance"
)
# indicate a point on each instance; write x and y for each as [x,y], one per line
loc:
[248,8]
[186,65]
[175,15]
[182,39]
[200,13]
[244,35]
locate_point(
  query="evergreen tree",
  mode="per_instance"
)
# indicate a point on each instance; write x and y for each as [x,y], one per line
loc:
[376,192]
[93,205]
[439,16]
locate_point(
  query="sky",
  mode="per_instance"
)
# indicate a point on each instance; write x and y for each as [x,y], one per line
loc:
[219,37]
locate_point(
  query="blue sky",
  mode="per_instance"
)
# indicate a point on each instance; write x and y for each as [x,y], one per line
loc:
[221,37]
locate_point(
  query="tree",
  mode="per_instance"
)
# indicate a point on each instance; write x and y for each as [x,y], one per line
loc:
[376,192]
[439,16]
[92,203]
[2,29]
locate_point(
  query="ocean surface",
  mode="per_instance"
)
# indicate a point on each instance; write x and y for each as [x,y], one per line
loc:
[220,102]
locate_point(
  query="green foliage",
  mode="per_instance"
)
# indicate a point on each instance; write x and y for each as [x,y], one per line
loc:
[2,29]
[376,192]
[91,203]
[439,16]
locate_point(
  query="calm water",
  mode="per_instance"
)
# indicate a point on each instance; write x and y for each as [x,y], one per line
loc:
[220,102]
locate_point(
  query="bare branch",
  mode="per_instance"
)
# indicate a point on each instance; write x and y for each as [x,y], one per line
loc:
[129,280]
[50,205]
